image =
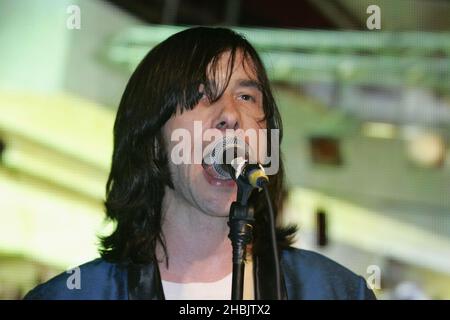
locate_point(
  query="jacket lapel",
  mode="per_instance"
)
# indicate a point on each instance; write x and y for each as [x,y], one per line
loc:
[264,278]
[144,282]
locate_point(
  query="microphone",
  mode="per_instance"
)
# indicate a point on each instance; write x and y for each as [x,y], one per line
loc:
[229,158]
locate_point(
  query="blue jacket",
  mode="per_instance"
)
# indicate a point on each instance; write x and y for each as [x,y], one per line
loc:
[306,275]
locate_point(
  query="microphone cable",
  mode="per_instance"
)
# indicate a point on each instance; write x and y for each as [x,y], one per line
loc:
[273,238]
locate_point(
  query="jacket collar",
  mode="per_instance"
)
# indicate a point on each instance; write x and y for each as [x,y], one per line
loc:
[144,280]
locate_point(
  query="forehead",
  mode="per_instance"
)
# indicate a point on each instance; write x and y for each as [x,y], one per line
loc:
[227,66]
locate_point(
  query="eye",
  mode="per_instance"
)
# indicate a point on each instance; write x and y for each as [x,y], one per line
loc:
[247,97]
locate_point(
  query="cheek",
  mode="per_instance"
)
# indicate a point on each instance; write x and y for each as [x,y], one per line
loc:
[184,178]
[179,139]
[262,146]
[256,114]
[255,135]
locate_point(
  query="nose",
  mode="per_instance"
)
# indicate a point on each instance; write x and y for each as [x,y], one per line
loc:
[229,116]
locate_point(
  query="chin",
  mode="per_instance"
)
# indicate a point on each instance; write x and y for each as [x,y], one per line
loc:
[214,196]
[217,201]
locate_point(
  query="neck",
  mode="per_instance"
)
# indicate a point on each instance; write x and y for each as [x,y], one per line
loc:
[197,244]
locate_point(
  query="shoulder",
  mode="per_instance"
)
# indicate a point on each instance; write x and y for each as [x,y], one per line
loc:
[97,279]
[310,275]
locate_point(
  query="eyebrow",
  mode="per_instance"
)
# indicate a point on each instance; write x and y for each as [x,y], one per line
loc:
[249,83]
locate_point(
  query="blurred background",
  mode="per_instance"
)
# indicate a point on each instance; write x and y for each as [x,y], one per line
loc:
[364,94]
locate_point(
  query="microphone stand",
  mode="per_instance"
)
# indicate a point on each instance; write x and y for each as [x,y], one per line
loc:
[240,221]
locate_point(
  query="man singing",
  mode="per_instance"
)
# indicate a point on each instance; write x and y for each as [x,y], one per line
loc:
[171,236]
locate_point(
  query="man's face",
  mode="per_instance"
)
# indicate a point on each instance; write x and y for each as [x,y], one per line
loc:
[240,107]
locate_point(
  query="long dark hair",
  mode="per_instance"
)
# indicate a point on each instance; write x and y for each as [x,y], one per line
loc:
[166,79]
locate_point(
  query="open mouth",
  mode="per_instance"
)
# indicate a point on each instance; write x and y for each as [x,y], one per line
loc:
[209,170]
[213,178]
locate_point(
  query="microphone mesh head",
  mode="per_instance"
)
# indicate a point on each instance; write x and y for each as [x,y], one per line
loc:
[224,152]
